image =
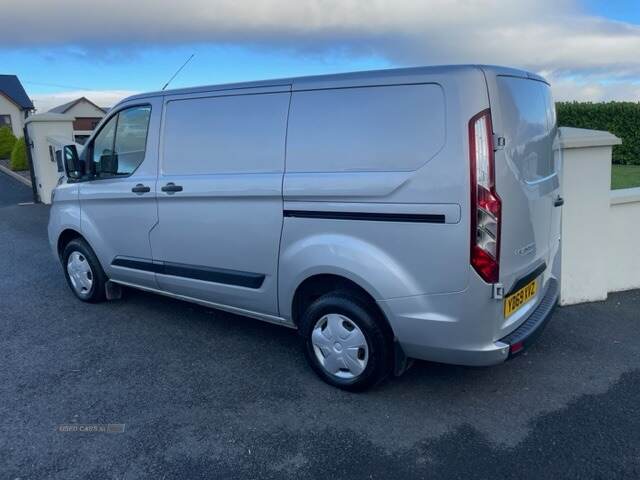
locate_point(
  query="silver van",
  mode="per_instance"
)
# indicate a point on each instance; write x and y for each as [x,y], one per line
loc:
[386,215]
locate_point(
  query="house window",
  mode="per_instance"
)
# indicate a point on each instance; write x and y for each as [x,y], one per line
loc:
[5,121]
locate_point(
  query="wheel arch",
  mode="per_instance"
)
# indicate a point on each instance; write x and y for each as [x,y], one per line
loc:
[65,237]
[316,285]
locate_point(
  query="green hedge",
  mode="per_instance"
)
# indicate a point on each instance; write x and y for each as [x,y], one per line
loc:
[7,141]
[19,156]
[620,118]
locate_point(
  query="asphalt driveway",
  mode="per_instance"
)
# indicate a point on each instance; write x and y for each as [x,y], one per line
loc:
[205,394]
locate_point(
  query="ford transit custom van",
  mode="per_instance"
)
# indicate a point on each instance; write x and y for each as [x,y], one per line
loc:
[387,215]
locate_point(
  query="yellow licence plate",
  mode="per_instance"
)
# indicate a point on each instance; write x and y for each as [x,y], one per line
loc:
[517,299]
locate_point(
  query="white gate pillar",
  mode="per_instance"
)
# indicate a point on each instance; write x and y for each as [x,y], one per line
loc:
[586,186]
[45,168]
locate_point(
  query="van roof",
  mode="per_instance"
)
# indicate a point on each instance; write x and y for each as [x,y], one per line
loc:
[343,79]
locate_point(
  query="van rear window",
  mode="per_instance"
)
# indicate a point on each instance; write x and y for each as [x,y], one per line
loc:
[529,126]
[384,128]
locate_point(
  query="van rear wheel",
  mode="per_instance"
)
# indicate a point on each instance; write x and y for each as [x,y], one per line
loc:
[83,271]
[345,343]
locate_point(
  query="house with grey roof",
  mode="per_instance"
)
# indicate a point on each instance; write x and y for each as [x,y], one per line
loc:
[87,116]
[15,104]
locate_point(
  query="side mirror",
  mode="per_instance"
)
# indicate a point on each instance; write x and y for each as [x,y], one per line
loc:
[72,165]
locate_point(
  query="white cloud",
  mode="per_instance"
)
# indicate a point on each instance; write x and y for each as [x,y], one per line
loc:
[103,98]
[555,36]
[571,90]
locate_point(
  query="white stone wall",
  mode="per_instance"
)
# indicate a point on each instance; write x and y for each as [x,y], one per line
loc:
[624,240]
[600,228]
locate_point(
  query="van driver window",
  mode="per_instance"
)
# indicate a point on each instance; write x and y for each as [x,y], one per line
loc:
[119,148]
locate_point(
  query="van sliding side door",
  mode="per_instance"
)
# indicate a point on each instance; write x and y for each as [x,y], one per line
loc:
[220,196]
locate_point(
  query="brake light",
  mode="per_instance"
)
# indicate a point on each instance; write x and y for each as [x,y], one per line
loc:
[486,205]
[516,347]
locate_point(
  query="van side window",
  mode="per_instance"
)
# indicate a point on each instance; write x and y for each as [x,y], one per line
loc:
[381,128]
[119,148]
[103,147]
[225,134]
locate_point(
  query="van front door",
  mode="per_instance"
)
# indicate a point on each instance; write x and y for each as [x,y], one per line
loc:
[220,197]
[117,197]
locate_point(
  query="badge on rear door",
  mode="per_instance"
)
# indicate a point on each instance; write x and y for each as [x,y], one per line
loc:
[526,250]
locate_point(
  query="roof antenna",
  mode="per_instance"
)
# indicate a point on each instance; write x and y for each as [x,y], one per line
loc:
[178,71]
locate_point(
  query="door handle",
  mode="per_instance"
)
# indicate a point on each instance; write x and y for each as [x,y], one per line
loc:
[140,188]
[171,188]
[558,202]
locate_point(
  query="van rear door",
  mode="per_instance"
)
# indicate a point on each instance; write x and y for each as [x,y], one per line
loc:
[526,178]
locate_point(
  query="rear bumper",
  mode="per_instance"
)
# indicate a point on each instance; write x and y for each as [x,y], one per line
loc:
[457,337]
[527,333]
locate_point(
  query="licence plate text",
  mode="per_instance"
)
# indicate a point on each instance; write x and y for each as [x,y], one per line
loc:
[517,299]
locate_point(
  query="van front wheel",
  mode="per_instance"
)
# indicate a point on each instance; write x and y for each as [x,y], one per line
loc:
[344,343]
[83,271]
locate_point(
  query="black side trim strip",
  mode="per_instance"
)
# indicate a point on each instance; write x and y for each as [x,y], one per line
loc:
[207,274]
[137,264]
[369,216]
[217,275]
[521,282]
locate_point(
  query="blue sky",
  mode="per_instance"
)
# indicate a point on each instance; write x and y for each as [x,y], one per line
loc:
[149,68]
[589,49]
[622,10]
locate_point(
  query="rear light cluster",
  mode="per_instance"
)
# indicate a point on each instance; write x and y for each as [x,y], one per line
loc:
[485,202]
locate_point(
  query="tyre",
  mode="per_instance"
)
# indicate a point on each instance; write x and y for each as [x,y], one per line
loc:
[346,343]
[83,271]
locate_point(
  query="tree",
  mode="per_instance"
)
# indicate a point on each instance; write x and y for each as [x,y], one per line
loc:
[19,156]
[7,141]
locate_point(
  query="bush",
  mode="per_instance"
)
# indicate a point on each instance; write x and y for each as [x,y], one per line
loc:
[7,141]
[620,118]
[19,156]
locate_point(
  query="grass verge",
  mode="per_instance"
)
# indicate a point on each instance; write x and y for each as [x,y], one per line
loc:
[625,176]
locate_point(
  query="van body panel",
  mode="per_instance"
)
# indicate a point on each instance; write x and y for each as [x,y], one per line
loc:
[432,177]
[341,185]
[64,214]
[341,129]
[335,253]
[228,215]
[364,247]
